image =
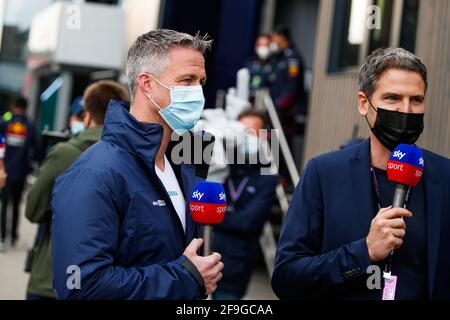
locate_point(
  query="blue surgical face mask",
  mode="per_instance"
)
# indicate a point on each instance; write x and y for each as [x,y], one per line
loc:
[76,127]
[185,108]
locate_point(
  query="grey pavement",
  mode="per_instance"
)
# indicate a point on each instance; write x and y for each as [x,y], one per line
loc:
[13,280]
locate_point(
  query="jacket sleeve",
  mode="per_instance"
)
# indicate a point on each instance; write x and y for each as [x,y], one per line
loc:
[85,238]
[249,218]
[301,269]
[38,201]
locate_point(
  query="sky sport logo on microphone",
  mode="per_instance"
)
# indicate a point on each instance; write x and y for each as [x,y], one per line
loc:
[406,164]
[208,203]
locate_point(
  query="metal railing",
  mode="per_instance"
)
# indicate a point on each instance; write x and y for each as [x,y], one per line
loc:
[264,102]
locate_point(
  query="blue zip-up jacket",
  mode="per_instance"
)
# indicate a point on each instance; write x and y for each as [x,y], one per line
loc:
[113,219]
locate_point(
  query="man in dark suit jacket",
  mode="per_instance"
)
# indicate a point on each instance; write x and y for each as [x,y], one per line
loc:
[340,221]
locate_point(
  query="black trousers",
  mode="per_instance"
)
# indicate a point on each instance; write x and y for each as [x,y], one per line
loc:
[11,192]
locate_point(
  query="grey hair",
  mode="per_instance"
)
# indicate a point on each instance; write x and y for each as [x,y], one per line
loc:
[149,52]
[383,59]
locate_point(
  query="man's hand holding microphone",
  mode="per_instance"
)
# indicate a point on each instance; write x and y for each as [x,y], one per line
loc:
[387,231]
[207,206]
[210,267]
[388,228]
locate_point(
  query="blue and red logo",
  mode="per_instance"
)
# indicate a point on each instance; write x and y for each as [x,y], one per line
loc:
[2,146]
[208,203]
[406,165]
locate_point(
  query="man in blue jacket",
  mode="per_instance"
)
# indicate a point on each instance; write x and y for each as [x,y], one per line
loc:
[340,221]
[121,226]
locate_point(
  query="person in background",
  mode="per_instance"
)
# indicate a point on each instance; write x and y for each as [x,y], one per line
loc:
[259,66]
[96,99]
[76,123]
[3,174]
[20,140]
[286,83]
[250,197]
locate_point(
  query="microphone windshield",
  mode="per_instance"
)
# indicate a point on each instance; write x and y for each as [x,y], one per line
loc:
[406,164]
[208,203]
[2,147]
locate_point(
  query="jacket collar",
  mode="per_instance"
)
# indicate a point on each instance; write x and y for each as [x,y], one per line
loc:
[362,184]
[140,139]
[143,140]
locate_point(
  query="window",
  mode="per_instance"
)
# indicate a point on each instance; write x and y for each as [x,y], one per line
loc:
[347,38]
[17,16]
[361,26]
[409,25]
[380,36]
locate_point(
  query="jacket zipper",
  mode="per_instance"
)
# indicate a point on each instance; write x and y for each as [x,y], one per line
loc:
[173,212]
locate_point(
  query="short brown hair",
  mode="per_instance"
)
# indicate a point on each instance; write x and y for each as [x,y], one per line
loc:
[384,59]
[97,96]
[254,113]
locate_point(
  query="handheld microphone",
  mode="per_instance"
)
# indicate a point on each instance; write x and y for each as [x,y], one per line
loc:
[207,205]
[405,167]
[2,152]
[2,147]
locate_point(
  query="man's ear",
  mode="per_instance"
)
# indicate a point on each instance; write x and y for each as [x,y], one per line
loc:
[145,82]
[363,104]
[87,119]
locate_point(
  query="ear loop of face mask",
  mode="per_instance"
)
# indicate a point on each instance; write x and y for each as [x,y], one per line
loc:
[370,103]
[150,97]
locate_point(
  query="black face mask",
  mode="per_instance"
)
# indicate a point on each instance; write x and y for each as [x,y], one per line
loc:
[393,128]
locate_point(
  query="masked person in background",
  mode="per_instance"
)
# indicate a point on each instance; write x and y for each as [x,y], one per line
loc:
[250,197]
[59,159]
[120,213]
[76,123]
[340,220]
[3,174]
[286,83]
[20,140]
[259,66]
